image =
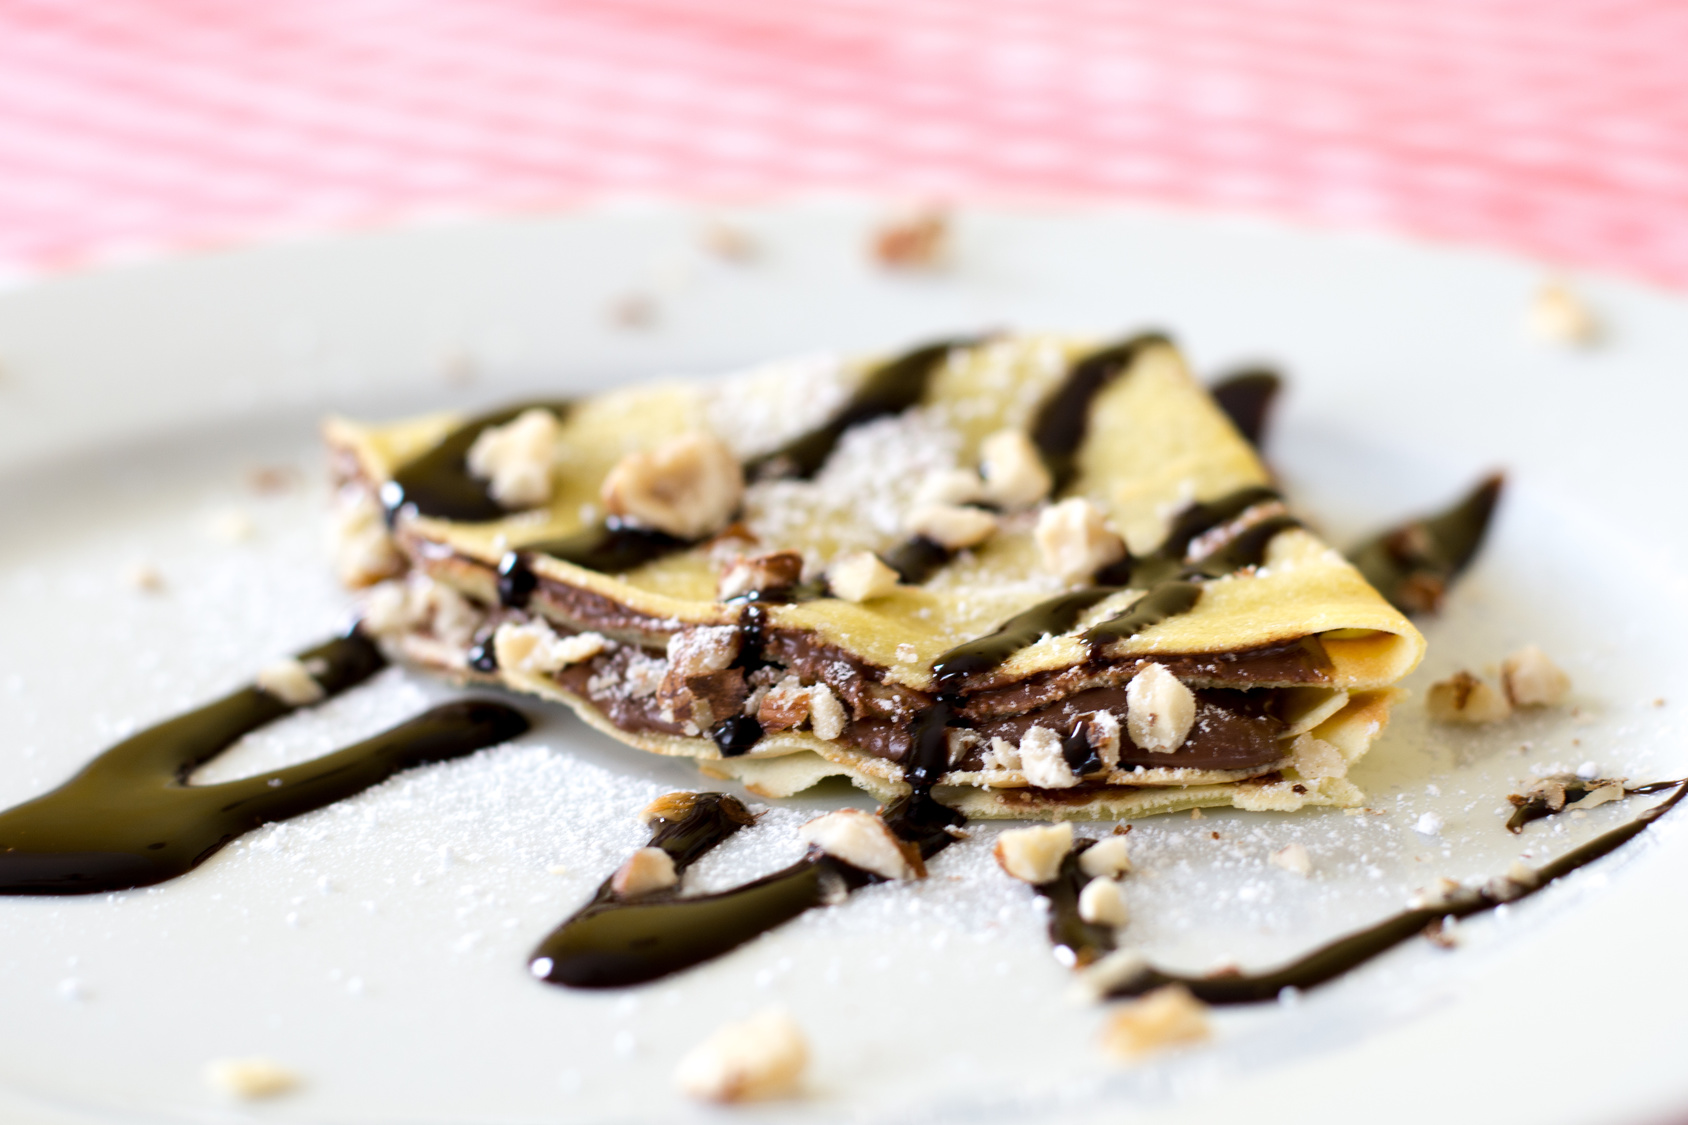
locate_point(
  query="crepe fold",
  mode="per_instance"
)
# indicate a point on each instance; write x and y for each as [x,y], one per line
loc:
[1289,657]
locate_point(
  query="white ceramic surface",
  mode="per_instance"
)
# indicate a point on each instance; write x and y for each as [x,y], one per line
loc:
[377,947]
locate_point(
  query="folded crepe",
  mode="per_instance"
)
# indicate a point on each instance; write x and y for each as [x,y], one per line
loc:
[1049,576]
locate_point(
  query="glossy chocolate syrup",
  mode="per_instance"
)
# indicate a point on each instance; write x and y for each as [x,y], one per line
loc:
[1060,426]
[438,483]
[890,389]
[1535,805]
[1077,942]
[129,818]
[917,559]
[1413,563]
[1247,397]
[1343,954]
[613,942]
[1046,618]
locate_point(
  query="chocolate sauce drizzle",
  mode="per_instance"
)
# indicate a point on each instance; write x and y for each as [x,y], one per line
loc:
[1060,425]
[1247,398]
[130,819]
[1077,942]
[613,941]
[1329,961]
[1413,563]
[891,388]
[438,483]
[1537,804]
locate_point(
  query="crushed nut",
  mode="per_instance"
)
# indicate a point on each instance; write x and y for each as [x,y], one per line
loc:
[1013,470]
[826,714]
[1518,881]
[1313,758]
[1463,698]
[860,576]
[688,486]
[1558,316]
[1034,855]
[951,525]
[1043,760]
[646,870]
[516,458]
[1293,858]
[1167,1017]
[1109,858]
[1102,732]
[291,682]
[1532,680]
[770,573]
[364,551]
[705,649]
[535,647]
[863,840]
[1074,540]
[761,1057]
[950,486]
[1442,893]
[1159,710]
[1102,976]
[250,1078]
[918,242]
[1102,904]
[144,577]
[730,242]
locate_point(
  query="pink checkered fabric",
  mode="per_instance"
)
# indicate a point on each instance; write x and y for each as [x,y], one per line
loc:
[1556,128]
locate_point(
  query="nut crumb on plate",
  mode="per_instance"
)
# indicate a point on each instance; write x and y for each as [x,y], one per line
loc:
[646,870]
[1463,698]
[1293,858]
[1559,316]
[863,840]
[761,1057]
[1531,679]
[290,681]
[1167,1017]
[1034,855]
[917,242]
[1110,856]
[1102,903]
[250,1077]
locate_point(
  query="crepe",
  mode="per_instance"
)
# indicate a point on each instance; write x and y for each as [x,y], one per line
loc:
[1131,530]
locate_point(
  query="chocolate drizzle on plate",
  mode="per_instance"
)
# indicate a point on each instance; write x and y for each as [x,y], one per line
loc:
[1413,563]
[130,819]
[1077,942]
[1345,953]
[1247,397]
[438,483]
[614,941]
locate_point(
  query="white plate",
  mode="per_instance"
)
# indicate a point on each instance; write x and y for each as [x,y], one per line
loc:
[377,947]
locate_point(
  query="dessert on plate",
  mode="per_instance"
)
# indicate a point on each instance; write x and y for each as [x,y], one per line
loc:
[1038,576]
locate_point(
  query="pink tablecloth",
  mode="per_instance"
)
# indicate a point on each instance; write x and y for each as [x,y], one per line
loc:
[1555,128]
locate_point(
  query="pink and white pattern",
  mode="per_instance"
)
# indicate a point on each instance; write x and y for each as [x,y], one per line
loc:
[1554,127]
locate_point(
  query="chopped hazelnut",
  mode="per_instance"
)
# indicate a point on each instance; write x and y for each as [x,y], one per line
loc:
[1159,710]
[516,458]
[1074,540]
[1102,976]
[1102,731]
[1167,1017]
[646,870]
[1558,316]
[250,1078]
[917,242]
[705,649]
[730,242]
[688,486]
[951,525]
[826,714]
[364,551]
[860,576]
[535,647]
[144,577]
[1293,858]
[1043,760]
[1109,857]
[1034,855]
[950,486]
[863,840]
[1611,791]
[779,570]
[1013,470]
[291,682]
[761,1057]
[1532,680]
[1463,698]
[1101,903]
[1314,758]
